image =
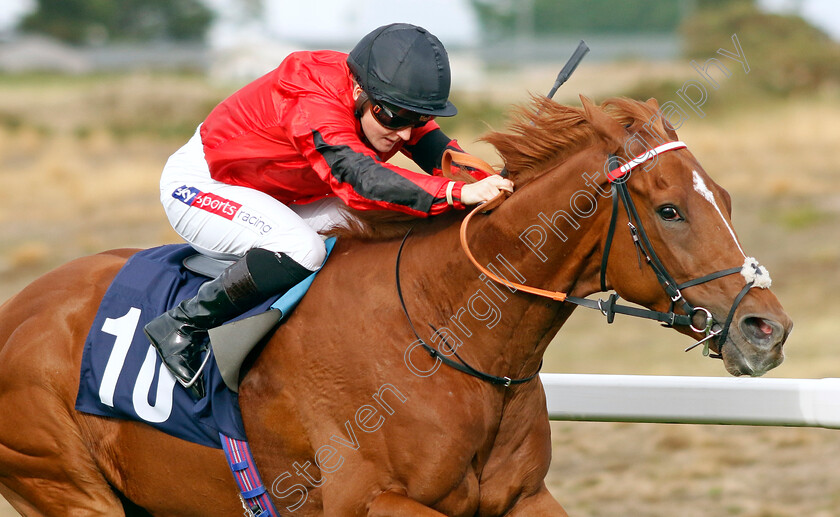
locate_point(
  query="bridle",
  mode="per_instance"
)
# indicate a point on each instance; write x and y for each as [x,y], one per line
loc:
[644,248]
[710,328]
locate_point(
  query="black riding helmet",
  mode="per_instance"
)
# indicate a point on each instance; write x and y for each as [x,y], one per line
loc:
[404,66]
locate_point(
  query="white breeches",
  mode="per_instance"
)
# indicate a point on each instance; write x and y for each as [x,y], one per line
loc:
[224,221]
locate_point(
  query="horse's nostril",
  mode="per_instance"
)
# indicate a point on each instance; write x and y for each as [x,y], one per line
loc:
[764,327]
[758,328]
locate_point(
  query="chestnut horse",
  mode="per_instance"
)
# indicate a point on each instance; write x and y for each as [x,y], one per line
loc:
[345,411]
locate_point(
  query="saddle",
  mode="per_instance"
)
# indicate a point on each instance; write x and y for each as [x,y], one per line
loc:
[232,342]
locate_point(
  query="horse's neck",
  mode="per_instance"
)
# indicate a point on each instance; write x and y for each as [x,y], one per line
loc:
[547,230]
[513,329]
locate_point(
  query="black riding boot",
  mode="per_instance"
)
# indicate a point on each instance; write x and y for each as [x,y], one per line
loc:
[180,334]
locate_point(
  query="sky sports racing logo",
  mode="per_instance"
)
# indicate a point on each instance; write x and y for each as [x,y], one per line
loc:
[223,207]
[206,201]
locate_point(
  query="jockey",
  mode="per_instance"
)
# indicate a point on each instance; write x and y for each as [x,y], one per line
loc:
[272,166]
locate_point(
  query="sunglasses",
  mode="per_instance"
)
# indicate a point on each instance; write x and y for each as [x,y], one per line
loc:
[391,117]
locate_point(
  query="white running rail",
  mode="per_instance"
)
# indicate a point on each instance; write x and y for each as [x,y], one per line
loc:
[693,400]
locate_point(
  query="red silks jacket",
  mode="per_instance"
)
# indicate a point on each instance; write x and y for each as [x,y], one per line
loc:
[293,134]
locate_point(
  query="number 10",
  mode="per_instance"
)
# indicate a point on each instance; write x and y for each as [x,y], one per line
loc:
[124,328]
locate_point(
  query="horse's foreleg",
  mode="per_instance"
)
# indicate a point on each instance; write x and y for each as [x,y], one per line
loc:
[390,504]
[540,504]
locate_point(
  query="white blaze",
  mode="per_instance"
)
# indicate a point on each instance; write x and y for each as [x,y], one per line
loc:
[703,190]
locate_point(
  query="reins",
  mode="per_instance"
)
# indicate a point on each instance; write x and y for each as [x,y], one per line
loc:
[471,161]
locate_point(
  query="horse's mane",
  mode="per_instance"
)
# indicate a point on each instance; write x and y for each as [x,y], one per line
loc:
[541,132]
[544,132]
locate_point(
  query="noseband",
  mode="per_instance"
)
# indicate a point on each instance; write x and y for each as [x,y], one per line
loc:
[710,328]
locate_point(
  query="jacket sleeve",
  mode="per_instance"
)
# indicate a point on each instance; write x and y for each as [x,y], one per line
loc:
[428,151]
[326,135]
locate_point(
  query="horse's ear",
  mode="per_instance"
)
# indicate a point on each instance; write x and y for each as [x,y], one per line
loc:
[613,133]
[669,129]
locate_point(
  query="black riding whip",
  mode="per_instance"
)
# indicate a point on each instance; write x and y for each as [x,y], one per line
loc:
[569,67]
[562,77]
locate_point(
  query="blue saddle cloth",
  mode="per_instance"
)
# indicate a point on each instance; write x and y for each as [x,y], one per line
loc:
[122,375]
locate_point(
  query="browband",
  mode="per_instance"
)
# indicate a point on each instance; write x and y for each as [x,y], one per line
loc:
[618,172]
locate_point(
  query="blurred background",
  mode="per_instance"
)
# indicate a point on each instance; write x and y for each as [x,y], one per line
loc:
[96,94]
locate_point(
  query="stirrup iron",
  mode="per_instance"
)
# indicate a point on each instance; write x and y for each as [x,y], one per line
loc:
[189,384]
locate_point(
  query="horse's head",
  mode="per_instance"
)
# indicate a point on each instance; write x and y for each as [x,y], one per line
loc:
[665,241]
[683,230]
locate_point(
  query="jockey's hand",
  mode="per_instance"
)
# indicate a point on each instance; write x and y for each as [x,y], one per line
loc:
[485,190]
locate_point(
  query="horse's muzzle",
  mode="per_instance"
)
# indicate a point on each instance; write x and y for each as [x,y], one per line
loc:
[755,345]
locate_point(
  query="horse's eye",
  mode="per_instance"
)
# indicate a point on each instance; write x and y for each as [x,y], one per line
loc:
[669,213]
